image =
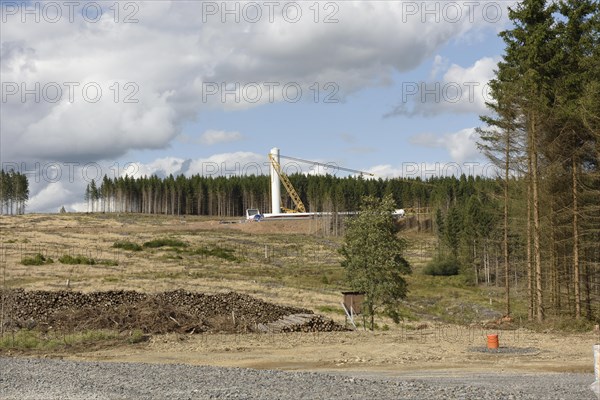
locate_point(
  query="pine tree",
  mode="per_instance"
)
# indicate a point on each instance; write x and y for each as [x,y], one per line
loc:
[373,257]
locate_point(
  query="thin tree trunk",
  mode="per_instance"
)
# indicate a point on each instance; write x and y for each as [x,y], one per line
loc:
[576,242]
[497,265]
[505,244]
[536,225]
[530,271]
[554,293]
[588,297]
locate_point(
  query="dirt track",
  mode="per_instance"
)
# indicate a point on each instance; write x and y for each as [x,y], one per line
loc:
[440,347]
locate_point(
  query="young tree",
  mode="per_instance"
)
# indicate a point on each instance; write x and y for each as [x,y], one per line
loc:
[373,257]
[93,194]
[502,142]
[87,196]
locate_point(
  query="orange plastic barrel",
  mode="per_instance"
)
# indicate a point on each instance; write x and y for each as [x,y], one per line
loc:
[492,342]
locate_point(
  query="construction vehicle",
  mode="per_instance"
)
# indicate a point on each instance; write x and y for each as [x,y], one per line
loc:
[253,214]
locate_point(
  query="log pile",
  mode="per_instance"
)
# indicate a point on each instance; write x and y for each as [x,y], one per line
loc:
[174,311]
[301,323]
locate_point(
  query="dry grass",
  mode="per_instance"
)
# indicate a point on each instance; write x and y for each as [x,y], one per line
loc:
[284,262]
[287,262]
[279,260]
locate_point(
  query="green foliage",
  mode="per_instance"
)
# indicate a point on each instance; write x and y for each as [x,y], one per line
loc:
[442,267]
[126,245]
[452,229]
[543,125]
[227,196]
[77,259]
[439,222]
[32,340]
[164,242]
[373,257]
[38,259]
[137,336]
[573,325]
[14,192]
[219,252]
[83,260]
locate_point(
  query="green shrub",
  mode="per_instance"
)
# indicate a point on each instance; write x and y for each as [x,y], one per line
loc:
[219,252]
[137,336]
[126,245]
[153,244]
[68,259]
[438,267]
[110,263]
[38,259]
[75,260]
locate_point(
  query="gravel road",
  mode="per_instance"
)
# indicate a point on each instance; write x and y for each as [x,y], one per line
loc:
[41,379]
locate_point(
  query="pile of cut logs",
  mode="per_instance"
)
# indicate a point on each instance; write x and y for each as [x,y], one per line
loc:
[301,323]
[174,311]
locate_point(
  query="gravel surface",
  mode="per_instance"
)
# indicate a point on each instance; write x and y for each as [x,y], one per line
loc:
[26,378]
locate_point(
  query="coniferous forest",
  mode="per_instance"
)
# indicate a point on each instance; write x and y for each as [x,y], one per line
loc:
[534,229]
[544,127]
[14,192]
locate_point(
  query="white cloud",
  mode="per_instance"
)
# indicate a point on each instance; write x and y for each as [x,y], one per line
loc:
[461,90]
[52,197]
[211,137]
[164,62]
[236,163]
[461,145]
[162,167]
[439,64]
[426,170]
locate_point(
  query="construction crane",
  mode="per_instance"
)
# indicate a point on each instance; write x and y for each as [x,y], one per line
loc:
[329,166]
[290,188]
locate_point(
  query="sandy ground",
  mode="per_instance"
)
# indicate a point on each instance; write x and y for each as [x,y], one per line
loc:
[398,351]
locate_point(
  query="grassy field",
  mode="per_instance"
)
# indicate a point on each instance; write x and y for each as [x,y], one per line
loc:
[289,262]
[285,262]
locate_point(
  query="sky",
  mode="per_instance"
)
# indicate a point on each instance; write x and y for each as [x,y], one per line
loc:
[94,88]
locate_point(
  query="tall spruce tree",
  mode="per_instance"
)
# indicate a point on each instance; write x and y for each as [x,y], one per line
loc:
[374,257]
[523,84]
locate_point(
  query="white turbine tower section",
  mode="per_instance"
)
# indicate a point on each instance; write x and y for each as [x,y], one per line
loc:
[275,185]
